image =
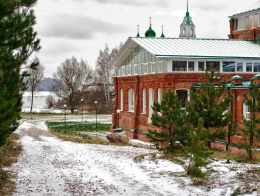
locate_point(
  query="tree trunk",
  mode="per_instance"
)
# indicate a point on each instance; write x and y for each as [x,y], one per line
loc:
[31,102]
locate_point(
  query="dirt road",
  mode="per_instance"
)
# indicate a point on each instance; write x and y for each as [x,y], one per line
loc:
[49,166]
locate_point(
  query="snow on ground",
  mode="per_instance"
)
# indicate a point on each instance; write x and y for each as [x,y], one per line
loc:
[50,166]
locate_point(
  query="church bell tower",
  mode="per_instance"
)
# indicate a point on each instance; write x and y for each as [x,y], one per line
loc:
[187,28]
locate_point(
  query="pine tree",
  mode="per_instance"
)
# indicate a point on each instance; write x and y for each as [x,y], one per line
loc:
[171,120]
[211,103]
[17,42]
[198,150]
[251,125]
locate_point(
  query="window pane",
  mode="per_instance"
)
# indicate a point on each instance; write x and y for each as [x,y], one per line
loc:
[201,66]
[212,64]
[161,66]
[157,67]
[159,95]
[183,96]
[144,101]
[149,67]
[144,68]
[135,69]
[191,66]
[131,100]
[257,67]
[153,67]
[139,69]
[127,70]
[229,66]
[121,99]
[248,67]
[239,67]
[179,66]
[165,66]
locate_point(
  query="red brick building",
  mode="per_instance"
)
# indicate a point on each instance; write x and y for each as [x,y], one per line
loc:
[245,25]
[150,65]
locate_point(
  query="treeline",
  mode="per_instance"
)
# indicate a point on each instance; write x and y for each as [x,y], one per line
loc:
[77,83]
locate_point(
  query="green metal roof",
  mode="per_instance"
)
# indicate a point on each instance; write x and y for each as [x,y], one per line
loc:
[199,48]
[191,48]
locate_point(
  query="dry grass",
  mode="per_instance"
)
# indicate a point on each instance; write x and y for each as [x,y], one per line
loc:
[235,156]
[80,138]
[8,155]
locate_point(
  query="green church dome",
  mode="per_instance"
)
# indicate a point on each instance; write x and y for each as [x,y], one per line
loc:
[150,32]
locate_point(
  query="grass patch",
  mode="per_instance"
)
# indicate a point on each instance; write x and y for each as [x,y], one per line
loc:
[77,126]
[8,155]
[80,138]
[78,132]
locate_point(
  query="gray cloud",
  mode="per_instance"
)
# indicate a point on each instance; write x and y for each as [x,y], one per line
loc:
[209,7]
[77,27]
[161,3]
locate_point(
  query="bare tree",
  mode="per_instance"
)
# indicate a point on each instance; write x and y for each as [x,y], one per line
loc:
[34,79]
[105,71]
[50,101]
[71,80]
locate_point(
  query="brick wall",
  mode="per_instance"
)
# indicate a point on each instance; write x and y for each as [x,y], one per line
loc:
[137,120]
[246,34]
[232,149]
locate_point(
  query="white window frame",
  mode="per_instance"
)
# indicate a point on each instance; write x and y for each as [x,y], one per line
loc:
[159,94]
[144,101]
[151,100]
[121,100]
[246,112]
[131,100]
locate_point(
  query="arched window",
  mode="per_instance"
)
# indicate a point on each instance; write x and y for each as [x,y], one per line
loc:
[144,101]
[191,30]
[184,31]
[151,99]
[159,95]
[183,95]
[131,99]
[246,112]
[121,100]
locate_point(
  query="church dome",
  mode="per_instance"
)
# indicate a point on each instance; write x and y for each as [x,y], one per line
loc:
[150,32]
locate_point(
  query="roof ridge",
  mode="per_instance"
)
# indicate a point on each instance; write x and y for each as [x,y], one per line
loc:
[183,38]
[245,12]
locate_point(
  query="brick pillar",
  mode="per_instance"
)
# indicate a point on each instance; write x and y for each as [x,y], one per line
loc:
[137,102]
[232,28]
[116,104]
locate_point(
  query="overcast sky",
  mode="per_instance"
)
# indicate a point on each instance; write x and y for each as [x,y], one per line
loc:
[81,28]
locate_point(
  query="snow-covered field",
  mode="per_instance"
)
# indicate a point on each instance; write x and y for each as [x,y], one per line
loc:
[50,166]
